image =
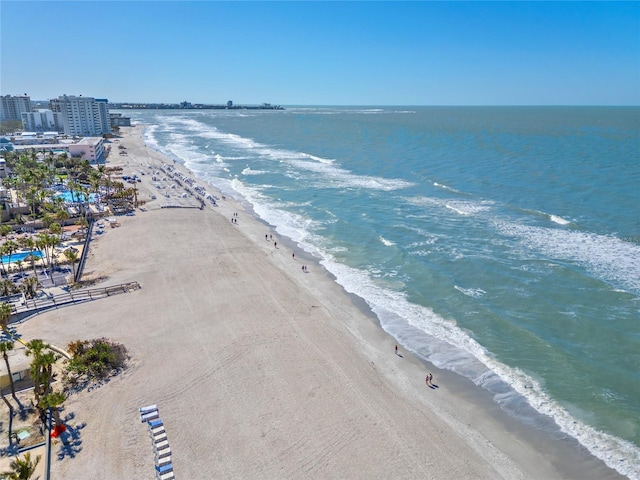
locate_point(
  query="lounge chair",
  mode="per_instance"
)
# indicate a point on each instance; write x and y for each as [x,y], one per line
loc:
[156,423]
[159,438]
[164,468]
[156,431]
[165,452]
[147,409]
[161,445]
[149,416]
[163,460]
[165,476]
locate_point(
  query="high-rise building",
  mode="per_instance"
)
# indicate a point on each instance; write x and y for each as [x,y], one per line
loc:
[42,121]
[82,116]
[12,107]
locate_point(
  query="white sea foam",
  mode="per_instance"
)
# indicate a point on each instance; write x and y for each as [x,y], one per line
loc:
[449,346]
[386,242]
[559,220]
[331,175]
[550,216]
[248,171]
[470,292]
[473,361]
[606,257]
[452,348]
[461,207]
[446,187]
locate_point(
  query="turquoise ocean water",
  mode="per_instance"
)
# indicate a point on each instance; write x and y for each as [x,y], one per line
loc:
[500,243]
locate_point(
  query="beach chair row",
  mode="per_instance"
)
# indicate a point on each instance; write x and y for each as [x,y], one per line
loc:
[159,441]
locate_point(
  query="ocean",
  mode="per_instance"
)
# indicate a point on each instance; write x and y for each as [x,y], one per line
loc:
[501,243]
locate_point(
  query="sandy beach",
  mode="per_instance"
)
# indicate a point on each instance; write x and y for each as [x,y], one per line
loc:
[261,370]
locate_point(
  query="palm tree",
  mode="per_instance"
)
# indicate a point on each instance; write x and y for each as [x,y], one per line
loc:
[47,243]
[41,371]
[72,255]
[5,315]
[7,287]
[30,243]
[54,401]
[22,468]
[6,310]
[30,287]
[10,407]
[10,247]
[5,347]
[3,251]
[83,223]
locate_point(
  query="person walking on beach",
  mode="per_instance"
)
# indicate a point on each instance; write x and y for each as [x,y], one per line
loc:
[293,255]
[429,378]
[396,349]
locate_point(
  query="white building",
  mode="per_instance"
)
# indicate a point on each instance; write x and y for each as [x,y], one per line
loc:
[12,107]
[82,116]
[41,120]
[117,120]
[89,148]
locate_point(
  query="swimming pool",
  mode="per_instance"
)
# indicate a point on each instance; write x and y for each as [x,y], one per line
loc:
[76,197]
[20,256]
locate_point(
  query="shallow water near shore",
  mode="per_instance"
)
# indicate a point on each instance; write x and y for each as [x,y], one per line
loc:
[498,243]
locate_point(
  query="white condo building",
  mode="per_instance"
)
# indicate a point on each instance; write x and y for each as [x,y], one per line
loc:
[82,116]
[42,121]
[12,107]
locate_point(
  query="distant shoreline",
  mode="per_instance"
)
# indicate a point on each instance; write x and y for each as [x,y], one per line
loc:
[188,106]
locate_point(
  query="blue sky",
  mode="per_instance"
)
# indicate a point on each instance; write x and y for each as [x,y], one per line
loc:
[324,53]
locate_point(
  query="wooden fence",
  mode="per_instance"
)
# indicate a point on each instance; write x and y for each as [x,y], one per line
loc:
[36,305]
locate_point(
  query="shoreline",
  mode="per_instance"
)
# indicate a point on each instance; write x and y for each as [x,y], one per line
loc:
[335,339]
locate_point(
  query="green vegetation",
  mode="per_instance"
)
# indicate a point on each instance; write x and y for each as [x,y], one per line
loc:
[10,126]
[41,372]
[94,360]
[22,468]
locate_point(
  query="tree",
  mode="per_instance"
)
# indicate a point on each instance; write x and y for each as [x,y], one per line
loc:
[41,371]
[10,407]
[30,243]
[6,310]
[22,468]
[5,347]
[2,253]
[54,401]
[72,256]
[7,287]
[5,230]
[9,247]
[5,315]
[10,126]
[47,243]
[30,287]
[83,223]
